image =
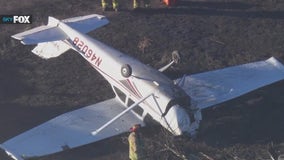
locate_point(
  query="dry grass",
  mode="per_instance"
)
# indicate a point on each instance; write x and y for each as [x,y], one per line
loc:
[209,35]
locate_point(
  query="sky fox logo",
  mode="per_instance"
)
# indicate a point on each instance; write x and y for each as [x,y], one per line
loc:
[16,19]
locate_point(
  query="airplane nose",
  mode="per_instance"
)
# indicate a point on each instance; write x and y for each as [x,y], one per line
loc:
[177,120]
[183,121]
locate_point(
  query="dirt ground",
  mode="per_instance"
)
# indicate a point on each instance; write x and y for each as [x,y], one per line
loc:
[210,34]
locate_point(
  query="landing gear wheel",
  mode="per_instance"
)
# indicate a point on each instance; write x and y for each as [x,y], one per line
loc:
[176,57]
[126,70]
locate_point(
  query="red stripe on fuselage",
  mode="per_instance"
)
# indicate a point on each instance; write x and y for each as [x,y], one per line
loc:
[133,88]
[119,83]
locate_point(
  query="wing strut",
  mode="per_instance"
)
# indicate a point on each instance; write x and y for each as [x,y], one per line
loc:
[170,128]
[120,114]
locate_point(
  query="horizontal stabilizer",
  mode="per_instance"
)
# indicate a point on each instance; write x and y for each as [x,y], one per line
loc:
[85,24]
[48,50]
[70,130]
[41,34]
[214,87]
[53,32]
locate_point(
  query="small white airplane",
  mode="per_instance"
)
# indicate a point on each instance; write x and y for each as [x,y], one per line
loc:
[141,91]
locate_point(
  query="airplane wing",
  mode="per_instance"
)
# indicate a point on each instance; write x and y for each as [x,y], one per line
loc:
[213,87]
[70,130]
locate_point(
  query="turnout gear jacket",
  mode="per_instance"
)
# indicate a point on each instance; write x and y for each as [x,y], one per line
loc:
[135,146]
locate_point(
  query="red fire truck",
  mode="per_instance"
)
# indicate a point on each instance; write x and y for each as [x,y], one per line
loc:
[170,2]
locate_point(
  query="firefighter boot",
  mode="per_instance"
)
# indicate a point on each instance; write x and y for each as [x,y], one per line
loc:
[115,5]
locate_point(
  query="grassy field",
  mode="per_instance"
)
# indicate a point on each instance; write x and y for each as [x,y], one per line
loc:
[209,35]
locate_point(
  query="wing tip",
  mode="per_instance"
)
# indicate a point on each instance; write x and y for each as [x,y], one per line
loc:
[10,154]
[17,37]
[275,62]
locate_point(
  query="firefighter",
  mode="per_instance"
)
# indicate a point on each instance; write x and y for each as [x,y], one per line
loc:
[137,3]
[105,4]
[135,143]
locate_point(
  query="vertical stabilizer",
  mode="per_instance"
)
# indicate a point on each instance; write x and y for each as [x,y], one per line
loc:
[52,21]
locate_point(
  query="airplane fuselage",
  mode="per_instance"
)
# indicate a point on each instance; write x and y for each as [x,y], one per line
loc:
[142,81]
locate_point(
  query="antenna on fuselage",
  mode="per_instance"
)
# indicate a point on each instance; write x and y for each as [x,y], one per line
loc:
[156,83]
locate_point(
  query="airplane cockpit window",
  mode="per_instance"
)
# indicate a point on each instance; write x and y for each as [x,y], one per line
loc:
[120,94]
[130,102]
[137,109]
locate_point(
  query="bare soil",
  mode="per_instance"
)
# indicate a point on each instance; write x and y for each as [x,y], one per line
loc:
[209,34]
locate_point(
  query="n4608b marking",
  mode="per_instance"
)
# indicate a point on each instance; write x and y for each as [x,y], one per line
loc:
[88,52]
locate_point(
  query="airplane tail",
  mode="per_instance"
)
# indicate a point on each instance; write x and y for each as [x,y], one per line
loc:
[51,39]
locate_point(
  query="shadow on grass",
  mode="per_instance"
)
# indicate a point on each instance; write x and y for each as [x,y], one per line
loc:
[256,118]
[11,81]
